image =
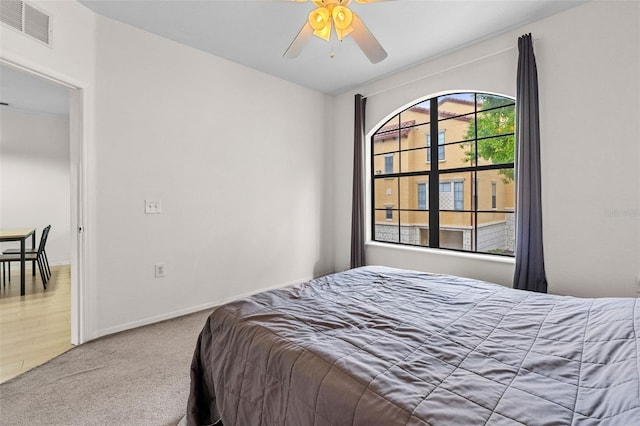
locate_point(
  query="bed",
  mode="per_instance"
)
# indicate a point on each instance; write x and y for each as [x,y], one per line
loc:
[383,346]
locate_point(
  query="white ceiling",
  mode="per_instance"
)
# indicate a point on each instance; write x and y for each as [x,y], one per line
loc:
[256,33]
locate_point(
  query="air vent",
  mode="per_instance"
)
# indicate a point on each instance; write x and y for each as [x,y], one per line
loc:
[36,23]
[26,19]
[11,13]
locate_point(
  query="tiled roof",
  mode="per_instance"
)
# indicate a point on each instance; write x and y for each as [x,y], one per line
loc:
[443,114]
[391,132]
[457,101]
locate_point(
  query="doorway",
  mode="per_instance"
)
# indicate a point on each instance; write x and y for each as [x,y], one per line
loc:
[41,185]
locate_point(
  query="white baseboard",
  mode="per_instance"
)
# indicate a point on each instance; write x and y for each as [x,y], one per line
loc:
[185,311]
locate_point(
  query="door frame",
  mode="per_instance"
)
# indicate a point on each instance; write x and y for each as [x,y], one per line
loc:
[78,144]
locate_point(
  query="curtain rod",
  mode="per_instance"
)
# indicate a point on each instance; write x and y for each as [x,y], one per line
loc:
[424,77]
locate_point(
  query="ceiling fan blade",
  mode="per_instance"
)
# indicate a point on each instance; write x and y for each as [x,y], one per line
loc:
[299,42]
[367,42]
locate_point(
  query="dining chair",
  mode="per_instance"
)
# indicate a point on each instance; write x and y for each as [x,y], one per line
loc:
[44,235]
[31,256]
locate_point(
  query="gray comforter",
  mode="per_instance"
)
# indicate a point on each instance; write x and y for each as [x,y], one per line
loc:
[381,346]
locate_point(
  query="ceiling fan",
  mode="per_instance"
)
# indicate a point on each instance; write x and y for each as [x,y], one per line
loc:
[336,13]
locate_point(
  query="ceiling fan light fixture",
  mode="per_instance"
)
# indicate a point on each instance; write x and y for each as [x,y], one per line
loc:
[320,21]
[330,13]
[342,17]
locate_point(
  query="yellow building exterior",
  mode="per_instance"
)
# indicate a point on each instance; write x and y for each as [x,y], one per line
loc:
[476,206]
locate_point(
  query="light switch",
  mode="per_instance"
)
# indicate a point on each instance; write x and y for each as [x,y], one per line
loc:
[152,206]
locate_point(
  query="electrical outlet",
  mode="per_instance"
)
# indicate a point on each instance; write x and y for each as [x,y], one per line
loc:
[152,206]
[161,270]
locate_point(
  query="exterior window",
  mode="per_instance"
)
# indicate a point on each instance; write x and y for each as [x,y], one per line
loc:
[422,196]
[446,196]
[494,203]
[388,164]
[474,196]
[458,196]
[455,206]
[440,146]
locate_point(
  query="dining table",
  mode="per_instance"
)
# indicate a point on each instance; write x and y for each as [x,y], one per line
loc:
[21,235]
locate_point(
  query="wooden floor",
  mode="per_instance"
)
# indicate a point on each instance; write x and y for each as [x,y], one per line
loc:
[37,327]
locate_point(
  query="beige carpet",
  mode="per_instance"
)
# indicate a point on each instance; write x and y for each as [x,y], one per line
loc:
[137,377]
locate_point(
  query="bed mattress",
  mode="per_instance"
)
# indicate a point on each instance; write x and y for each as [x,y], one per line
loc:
[383,346]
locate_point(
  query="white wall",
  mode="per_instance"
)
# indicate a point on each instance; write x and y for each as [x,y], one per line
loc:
[237,159]
[588,67]
[34,178]
[246,189]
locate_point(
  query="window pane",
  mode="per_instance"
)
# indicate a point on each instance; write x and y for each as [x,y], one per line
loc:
[385,164]
[414,154]
[456,230]
[415,137]
[496,233]
[496,150]
[385,192]
[486,101]
[419,113]
[414,228]
[386,138]
[409,192]
[415,161]
[385,143]
[459,155]
[385,230]
[455,105]
[460,191]
[411,135]
[386,215]
[459,149]
[502,182]
[495,122]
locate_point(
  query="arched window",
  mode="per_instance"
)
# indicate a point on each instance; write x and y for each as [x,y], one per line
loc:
[463,201]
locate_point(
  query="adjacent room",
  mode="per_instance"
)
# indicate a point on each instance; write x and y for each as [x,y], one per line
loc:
[189,155]
[35,152]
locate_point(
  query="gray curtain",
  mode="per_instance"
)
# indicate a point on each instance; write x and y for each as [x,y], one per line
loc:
[357,206]
[529,272]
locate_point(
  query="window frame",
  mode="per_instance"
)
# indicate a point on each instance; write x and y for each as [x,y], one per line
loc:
[433,175]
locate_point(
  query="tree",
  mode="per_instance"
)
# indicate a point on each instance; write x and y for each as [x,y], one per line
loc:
[496,124]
